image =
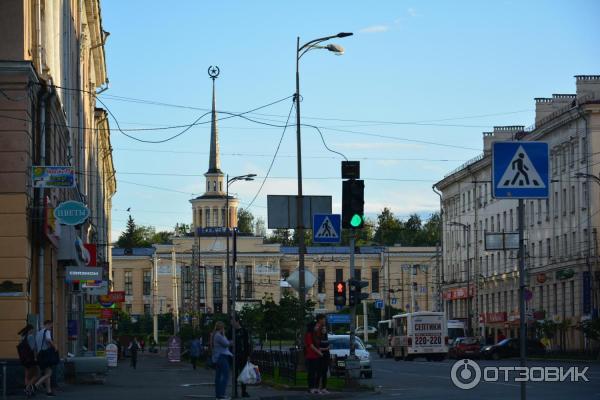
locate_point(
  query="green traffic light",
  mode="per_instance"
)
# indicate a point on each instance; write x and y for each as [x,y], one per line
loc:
[356,221]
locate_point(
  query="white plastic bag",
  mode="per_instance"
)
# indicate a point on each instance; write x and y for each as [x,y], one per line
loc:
[249,375]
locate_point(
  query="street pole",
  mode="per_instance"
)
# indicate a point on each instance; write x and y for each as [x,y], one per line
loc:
[175,297]
[154,298]
[299,199]
[468,233]
[389,288]
[227,232]
[353,308]
[522,325]
[233,296]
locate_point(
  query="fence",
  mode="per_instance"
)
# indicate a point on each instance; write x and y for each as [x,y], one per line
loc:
[284,362]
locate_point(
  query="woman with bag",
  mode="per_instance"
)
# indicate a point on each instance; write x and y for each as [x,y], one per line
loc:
[312,354]
[47,356]
[26,350]
[221,356]
[242,350]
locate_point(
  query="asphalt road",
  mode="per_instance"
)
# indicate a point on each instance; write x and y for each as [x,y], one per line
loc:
[421,379]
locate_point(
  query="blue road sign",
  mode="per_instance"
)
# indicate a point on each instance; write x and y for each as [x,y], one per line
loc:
[338,318]
[327,228]
[520,170]
[379,304]
[394,301]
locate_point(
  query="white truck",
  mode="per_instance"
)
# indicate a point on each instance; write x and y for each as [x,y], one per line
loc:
[456,329]
[420,334]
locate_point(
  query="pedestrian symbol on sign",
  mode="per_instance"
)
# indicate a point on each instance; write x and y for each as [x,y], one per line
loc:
[326,230]
[521,173]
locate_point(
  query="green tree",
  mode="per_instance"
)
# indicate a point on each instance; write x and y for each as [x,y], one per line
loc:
[136,235]
[182,229]
[245,221]
[430,233]
[162,237]
[281,236]
[389,228]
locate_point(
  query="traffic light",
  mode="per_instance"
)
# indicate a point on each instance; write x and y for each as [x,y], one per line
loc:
[353,203]
[355,291]
[339,290]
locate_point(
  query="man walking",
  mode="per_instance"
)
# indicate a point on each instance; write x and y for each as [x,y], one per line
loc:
[134,346]
[242,350]
[195,350]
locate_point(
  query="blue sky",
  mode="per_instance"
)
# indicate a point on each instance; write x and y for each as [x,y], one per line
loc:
[456,68]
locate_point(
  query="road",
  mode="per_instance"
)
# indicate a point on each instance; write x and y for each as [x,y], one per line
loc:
[421,379]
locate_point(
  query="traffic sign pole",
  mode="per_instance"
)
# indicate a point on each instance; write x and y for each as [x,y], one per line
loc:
[353,307]
[522,324]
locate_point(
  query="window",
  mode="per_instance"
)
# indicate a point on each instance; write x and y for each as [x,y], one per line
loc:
[555,204]
[147,309]
[128,283]
[563,161]
[468,200]
[572,160]
[532,254]
[585,195]
[512,300]
[218,284]
[573,199]
[572,292]
[248,292]
[147,282]
[555,299]
[207,214]
[564,201]
[504,221]
[339,274]
[574,246]
[224,217]
[565,246]
[128,308]
[547,209]
[541,296]
[321,281]
[554,163]
[531,212]
[215,217]
[539,211]
[512,226]
[463,202]
[485,194]
[357,274]
[548,248]
[220,186]
[492,223]
[583,149]
[487,266]
[564,299]
[375,280]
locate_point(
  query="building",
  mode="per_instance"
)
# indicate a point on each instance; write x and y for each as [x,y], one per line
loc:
[560,232]
[52,64]
[404,277]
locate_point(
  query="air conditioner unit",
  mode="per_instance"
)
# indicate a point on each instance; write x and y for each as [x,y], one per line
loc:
[70,247]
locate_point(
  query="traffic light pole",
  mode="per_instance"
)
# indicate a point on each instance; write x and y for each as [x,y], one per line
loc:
[353,306]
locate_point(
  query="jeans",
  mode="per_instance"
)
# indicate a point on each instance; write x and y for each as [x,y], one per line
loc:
[323,369]
[221,375]
[312,369]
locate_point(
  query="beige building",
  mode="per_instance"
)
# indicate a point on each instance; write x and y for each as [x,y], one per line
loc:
[52,56]
[560,232]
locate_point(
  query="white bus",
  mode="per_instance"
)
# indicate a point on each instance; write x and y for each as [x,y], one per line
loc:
[420,334]
[385,332]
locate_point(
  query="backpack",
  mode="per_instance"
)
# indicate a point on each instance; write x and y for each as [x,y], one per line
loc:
[25,352]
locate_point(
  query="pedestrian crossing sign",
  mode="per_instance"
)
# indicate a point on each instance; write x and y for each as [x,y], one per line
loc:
[327,228]
[520,170]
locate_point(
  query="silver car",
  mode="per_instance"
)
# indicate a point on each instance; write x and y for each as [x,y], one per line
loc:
[339,347]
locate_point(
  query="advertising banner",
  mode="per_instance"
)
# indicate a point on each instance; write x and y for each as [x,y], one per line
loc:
[53,177]
[174,349]
[83,274]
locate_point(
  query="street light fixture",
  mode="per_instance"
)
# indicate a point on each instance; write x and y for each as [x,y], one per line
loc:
[467,230]
[300,51]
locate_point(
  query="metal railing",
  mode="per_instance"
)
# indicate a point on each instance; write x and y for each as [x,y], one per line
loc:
[284,362]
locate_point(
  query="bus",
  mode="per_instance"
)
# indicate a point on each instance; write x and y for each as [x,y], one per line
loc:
[420,334]
[385,332]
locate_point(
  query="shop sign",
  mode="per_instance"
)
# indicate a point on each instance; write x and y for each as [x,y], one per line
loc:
[458,293]
[92,250]
[565,274]
[113,297]
[71,213]
[174,349]
[92,311]
[112,355]
[95,288]
[106,313]
[53,177]
[83,274]
[494,317]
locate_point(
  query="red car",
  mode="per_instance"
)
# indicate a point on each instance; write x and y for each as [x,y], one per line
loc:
[465,347]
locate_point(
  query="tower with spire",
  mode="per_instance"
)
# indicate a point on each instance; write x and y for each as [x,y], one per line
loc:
[210,208]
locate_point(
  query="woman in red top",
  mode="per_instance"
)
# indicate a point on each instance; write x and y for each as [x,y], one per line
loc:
[312,355]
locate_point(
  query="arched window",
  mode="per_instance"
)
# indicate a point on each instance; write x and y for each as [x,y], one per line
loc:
[214,186]
[220,186]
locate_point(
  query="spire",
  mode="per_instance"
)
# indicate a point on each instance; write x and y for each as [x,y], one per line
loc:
[214,163]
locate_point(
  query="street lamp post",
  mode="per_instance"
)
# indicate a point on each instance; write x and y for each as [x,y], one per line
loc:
[231,274]
[300,51]
[467,230]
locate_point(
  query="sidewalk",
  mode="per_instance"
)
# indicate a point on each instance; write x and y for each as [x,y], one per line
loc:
[156,378]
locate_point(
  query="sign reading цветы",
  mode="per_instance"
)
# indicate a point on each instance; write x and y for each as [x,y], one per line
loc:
[71,213]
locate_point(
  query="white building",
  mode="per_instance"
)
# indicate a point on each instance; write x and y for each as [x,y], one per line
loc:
[560,232]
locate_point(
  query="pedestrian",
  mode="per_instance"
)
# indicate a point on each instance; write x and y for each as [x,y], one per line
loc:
[195,350]
[26,350]
[242,350]
[142,344]
[312,354]
[133,347]
[324,360]
[47,357]
[221,357]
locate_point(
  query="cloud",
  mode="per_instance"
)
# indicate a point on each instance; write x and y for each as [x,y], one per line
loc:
[412,12]
[375,29]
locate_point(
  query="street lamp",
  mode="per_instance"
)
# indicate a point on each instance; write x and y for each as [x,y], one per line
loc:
[231,276]
[300,51]
[467,230]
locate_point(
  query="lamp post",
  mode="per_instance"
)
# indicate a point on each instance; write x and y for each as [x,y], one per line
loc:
[300,51]
[231,275]
[467,230]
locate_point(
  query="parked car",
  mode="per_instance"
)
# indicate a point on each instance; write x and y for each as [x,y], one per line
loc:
[465,347]
[339,348]
[371,330]
[511,348]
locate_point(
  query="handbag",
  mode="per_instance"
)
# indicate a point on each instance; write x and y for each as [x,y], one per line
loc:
[250,375]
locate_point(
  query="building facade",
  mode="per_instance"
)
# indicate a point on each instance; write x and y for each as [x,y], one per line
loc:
[52,64]
[560,232]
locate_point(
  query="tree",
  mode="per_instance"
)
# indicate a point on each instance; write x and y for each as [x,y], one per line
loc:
[162,237]
[389,228]
[245,221]
[281,236]
[430,234]
[136,236]
[259,227]
[182,229]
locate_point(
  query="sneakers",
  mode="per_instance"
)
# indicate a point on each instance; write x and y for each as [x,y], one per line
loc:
[324,391]
[314,391]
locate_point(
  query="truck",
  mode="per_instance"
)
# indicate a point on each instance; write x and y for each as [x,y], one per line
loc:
[420,334]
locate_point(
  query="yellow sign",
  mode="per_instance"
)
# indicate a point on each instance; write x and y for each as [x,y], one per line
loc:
[92,310]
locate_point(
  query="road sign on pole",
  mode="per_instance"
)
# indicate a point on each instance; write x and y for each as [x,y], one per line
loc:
[520,170]
[327,228]
[379,304]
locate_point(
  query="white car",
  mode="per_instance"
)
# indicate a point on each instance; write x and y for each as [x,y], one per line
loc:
[371,330]
[339,347]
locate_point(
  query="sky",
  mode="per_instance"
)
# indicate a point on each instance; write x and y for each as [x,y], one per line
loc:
[418,84]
